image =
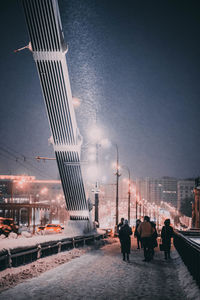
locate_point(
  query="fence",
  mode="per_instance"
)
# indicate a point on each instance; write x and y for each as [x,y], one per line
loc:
[20,256]
[189,252]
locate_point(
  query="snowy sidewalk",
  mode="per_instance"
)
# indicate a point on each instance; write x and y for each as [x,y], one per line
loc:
[101,274]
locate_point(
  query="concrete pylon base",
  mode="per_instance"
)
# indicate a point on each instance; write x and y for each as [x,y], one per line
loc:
[78,228]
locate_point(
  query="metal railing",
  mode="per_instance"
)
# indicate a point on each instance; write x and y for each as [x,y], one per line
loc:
[21,256]
[189,252]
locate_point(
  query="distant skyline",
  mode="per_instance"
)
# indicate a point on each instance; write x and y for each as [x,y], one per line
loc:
[134,65]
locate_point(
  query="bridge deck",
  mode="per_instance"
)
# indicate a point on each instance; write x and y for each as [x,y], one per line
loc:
[102,274]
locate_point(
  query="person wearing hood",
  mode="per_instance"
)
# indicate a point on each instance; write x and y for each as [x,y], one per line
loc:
[136,234]
[124,234]
[167,233]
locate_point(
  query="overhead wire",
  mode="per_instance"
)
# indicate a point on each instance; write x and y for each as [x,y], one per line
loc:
[25,163]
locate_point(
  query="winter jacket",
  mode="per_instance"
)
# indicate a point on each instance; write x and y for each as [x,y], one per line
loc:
[166,234]
[145,229]
[124,235]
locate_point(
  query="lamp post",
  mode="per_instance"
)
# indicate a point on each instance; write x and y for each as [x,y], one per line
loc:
[129,191]
[136,205]
[95,138]
[129,196]
[136,202]
[96,195]
[117,186]
[140,203]
[143,208]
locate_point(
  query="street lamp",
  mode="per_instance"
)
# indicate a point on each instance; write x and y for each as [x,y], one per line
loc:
[95,134]
[136,208]
[129,191]
[96,195]
[117,185]
[137,200]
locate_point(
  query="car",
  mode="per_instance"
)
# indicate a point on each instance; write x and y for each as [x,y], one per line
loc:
[40,228]
[109,231]
[53,228]
[7,225]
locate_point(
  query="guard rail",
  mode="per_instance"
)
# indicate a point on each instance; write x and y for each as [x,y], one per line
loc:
[189,252]
[19,256]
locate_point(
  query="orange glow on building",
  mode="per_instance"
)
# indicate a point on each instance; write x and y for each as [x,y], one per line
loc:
[25,178]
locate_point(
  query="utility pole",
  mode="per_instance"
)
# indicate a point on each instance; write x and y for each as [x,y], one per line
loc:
[136,202]
[136,209]
[129,191]
[96,195]
[117,186]
[129,195]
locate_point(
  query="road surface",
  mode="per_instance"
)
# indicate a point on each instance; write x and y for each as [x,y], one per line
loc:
[102,274]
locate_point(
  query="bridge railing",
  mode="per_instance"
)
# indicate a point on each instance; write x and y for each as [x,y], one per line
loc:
[21,256]
[189,252]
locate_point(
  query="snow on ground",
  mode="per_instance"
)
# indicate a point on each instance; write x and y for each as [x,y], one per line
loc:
[23,241]
[102,274]
[13,276]
[195,239]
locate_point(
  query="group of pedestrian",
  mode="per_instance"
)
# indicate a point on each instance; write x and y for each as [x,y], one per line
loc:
[146,235]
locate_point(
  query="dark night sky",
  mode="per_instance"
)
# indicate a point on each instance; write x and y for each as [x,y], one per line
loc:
[135,62]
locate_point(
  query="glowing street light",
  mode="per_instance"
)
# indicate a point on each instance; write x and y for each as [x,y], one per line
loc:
[44,191]
[76,102]
[95,134]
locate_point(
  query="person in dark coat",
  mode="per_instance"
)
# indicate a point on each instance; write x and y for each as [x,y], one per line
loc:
[136,234]
[124,235]
[120,225]
[154,238]
[166,234]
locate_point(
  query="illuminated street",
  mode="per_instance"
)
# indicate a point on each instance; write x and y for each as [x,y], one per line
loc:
[99,141]
[101,274]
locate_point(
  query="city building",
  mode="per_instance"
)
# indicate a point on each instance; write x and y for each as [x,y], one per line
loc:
[30,201]
[196,205]
[155,190]
[185,189]
[169,190]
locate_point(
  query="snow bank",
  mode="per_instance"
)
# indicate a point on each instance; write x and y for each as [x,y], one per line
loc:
[195,239]
[13,276]
[25,241]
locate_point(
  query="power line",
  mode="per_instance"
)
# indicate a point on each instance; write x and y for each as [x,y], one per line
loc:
[26,164]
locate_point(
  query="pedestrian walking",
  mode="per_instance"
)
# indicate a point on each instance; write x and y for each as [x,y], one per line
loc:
[120,225]
[167,233]
[137,235]
[124,235]
[146,231]
[154,238]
